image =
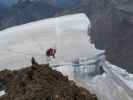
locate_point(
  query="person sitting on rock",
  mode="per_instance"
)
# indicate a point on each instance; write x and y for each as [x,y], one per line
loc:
[33,61]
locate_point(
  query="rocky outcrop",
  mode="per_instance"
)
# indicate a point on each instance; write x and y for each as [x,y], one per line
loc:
[40,82]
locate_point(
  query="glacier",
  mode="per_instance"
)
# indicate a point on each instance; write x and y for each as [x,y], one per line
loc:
[69,35]
[33,39]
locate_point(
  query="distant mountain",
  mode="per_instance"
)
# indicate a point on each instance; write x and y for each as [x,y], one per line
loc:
[63,3]
[8,2]
[57,3]
[27,11]
[23,11]
[3,9]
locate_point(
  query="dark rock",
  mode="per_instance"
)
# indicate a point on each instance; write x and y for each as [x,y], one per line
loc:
[41,84]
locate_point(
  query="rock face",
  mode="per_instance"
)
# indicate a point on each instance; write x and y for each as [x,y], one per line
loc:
[112,22]
[113,32]
[39,82]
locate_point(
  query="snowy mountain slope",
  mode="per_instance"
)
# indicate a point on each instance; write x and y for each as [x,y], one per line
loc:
[68,34]
[107,89]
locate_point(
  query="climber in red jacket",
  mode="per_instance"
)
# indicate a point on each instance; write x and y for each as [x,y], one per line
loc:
[51,52]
